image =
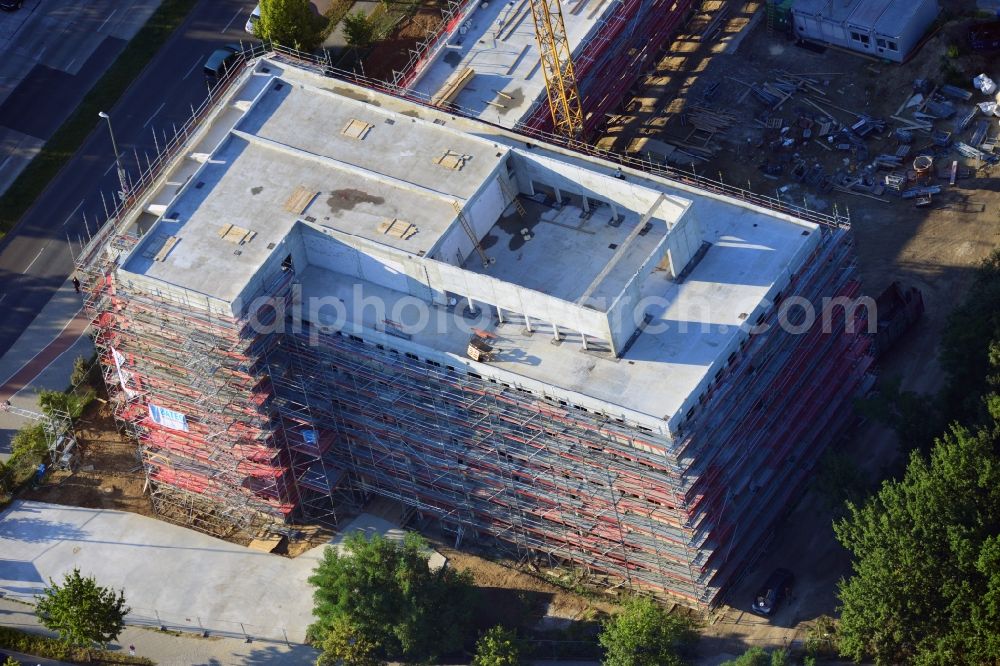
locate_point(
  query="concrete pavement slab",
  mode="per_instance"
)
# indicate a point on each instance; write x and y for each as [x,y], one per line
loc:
[168,649]
[172,576]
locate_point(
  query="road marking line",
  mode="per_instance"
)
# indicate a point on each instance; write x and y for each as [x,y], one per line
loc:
[25,271]
[238,12]
[73,213]
[114,163]
[158,109]
[196,62]
[3,297]
[107,19]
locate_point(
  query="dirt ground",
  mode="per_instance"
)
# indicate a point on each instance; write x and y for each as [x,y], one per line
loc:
[560,603]
[394,52]
[932,248]
[108,474]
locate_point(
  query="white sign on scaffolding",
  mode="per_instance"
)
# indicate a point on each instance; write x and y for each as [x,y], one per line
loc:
[123,375]
[168,418]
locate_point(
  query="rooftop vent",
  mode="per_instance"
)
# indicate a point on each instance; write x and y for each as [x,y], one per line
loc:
[356,129]
[452,160]
[234,234]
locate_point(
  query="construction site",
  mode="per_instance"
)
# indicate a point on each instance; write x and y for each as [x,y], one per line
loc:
[330,294]
[489,60]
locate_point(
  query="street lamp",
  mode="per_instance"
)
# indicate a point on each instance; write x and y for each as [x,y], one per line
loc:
[118,162]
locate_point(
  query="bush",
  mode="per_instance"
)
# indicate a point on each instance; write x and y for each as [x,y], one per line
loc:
[50,648]
[72,403]
[28,446]
[497,647]
[86,371]
[821,637]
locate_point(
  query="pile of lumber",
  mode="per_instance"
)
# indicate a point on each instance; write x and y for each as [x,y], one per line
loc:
[709,120]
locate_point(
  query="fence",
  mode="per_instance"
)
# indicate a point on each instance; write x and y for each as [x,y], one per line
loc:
[150,175]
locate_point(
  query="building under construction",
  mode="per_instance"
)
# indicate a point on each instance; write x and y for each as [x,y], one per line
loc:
[341,295]
[485,58]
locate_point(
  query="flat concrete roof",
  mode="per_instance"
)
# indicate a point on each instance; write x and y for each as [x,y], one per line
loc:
[695,322]
[501,48]
[291,139]
[566,250]
[695,326]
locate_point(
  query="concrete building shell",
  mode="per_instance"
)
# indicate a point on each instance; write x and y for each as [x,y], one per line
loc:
[634,418]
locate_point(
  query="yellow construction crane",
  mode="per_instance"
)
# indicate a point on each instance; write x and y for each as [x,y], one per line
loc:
[557,67]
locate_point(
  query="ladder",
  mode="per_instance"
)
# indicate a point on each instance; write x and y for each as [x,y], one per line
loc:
[508,193]
[472,234]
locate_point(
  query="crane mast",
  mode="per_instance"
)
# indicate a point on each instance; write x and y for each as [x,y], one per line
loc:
[557,67]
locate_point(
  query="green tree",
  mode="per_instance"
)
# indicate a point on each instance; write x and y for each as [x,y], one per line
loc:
[10,661]
[390,597]
[81,611]
[644,634]
[926,581]
[71,403]
[28,444]
[289,23]
[497,647]
[346,646]
[359,30]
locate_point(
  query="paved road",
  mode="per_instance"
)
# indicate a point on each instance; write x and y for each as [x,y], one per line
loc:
[35,259]
[51,53]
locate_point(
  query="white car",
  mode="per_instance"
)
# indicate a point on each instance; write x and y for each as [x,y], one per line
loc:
[254,15]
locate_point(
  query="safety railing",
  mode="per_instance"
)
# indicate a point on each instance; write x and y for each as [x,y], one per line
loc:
[139,187]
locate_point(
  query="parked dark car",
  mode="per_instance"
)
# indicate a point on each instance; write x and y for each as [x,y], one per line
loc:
[773,592]
[985,36]
[221,60]
[11,5]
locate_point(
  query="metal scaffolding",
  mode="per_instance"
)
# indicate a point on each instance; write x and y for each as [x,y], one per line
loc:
[264,428]
[226,463]
[492,460]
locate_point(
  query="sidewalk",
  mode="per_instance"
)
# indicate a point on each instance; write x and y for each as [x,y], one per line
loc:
[168,648]
[42,358]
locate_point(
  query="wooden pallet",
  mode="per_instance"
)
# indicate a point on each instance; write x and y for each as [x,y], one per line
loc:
[398,228]
[300,200]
